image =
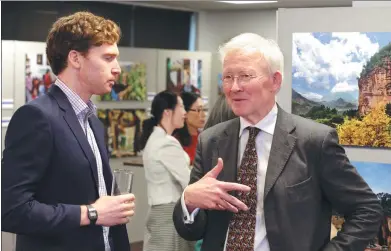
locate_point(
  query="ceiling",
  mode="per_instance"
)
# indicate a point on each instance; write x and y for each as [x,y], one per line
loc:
[217,6]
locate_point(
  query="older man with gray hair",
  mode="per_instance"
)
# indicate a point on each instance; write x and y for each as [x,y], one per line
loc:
[282,174]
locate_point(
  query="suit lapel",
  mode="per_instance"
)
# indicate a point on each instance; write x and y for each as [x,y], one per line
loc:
[227,149]
[282,146]
[73,123]
[97,128]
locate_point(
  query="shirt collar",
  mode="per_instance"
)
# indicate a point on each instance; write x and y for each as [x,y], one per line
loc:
[78,105]
[267,124]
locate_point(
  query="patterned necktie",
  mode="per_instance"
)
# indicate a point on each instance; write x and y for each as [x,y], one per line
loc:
[242,226]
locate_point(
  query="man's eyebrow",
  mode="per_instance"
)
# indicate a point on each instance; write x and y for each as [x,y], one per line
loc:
[111,54]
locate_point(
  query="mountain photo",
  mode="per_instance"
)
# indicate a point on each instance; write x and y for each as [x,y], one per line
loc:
[374,175]
[343,80]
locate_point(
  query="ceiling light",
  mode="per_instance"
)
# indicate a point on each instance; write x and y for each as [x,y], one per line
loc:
[247,2]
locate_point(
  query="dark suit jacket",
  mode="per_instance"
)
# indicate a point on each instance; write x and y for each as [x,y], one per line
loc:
[308,174]
[48,171]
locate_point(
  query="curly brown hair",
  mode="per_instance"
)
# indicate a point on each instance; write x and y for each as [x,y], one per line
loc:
[79,31]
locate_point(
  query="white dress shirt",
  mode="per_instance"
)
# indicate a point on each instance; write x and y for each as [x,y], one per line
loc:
[166,166]
[263,144]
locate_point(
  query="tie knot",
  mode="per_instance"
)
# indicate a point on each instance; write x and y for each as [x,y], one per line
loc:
[253,132]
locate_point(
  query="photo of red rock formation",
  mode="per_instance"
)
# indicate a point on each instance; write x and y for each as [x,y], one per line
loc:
[343,80]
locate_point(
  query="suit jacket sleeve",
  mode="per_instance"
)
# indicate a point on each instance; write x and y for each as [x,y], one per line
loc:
[195,231]
[350,195]
[26,160]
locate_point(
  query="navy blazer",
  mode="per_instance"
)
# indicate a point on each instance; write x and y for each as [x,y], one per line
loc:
[48,171]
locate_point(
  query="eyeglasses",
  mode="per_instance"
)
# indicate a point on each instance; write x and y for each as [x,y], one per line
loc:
[199,110]
[242,79]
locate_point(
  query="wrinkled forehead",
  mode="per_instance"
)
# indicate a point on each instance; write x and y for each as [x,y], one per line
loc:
[244,60]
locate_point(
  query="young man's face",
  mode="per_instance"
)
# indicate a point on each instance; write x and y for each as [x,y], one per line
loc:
[99,69]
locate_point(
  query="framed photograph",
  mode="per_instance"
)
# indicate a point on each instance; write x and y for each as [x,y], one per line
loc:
[377,177]
[39,59]
[343,79]
[184,75]
[122,130]
[130,85]
[38,77]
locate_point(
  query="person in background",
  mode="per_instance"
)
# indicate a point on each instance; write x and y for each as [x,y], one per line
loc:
[195,120]
[167,172]
[55,169]
[220,112]
[255,175]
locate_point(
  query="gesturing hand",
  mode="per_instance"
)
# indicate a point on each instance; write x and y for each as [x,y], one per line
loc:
[209,193]
[114,210]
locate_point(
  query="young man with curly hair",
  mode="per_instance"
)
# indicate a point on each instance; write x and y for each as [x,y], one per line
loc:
[56,178]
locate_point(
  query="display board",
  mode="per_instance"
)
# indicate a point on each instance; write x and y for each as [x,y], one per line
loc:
[184,75]
[129,85]
[122,131]
[185,71]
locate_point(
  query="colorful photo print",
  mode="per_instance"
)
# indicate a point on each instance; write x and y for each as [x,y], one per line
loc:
[184,75]
[122,130]
[130,85]
[343,79]
[377,175]
[38,77]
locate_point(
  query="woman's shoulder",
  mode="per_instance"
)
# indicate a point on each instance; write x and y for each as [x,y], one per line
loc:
[171,140]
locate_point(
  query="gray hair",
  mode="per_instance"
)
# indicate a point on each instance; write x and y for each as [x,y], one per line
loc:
[220,112]
[254,43]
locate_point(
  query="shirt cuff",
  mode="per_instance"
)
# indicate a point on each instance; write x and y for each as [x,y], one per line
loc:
[188,218]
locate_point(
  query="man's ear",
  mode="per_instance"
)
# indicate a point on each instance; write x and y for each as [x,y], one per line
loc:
[277,81]
[74,59]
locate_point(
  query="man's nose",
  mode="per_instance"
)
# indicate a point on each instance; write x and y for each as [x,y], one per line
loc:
[235,85]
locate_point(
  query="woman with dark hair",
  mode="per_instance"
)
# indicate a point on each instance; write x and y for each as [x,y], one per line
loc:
[195,120]
[167,172]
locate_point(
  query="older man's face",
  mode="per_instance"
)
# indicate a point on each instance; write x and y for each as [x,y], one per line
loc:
[249,86]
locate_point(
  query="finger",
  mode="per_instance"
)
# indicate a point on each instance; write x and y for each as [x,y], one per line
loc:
[125,197]
[220,207]
[233,201]
[230,186]
[129,213]
[124,220]
[216,170]
[224,205]
[127,206]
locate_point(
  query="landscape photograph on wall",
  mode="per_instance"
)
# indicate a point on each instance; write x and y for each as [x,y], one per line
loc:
[129,85]
[122,130]
[343,79]
[372,172]
[184,75]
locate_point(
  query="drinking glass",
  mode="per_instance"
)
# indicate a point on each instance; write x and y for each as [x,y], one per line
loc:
[122,182]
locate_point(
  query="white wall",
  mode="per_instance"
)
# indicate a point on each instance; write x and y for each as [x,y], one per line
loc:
[217,27]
